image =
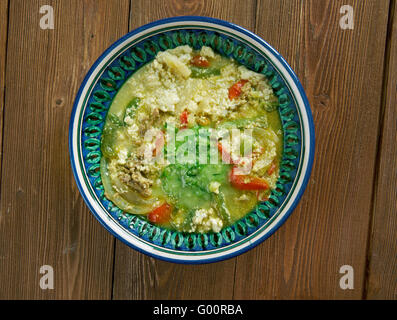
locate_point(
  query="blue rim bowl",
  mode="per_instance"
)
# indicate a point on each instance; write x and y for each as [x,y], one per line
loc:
[126,56]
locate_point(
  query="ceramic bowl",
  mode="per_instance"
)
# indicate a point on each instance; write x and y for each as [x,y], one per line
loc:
[126,56]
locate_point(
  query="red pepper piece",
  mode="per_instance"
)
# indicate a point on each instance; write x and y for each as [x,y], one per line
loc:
[161,214]
[200,61]
[236,89]
[244,182]
[184,118]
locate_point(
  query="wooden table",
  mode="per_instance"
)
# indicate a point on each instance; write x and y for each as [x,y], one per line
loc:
[347,215]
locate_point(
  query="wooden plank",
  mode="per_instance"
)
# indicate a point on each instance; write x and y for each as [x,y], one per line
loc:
[341,71]
[137,276]
[3,48]
[43,219]
[382,280]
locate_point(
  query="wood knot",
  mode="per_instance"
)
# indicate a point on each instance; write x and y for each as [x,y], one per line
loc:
[59,102]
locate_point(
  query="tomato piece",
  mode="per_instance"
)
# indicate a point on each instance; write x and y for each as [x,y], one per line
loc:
[159,144]
[184,118]
[271,169]
[161,214]
[200,61]
[226,156]
[244,182]
[236,89]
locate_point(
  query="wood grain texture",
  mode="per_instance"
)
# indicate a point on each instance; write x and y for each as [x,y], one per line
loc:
[382,272]
[347,214]
[341,71]
[137,276]
[3,48]
[43,220]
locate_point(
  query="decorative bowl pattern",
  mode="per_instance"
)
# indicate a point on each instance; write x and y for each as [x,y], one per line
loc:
[126,56]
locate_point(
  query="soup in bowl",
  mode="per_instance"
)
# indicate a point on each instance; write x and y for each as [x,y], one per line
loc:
[191,140]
